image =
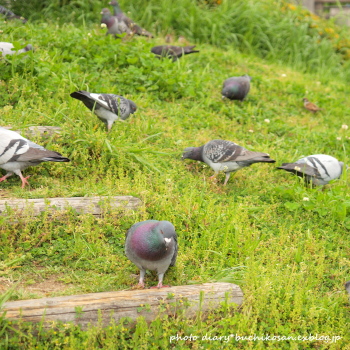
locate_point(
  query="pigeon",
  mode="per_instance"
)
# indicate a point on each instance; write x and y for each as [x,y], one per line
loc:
[318,169]
[173,52]
[18,153]
[10,15]
[236,88]
[347,288]
[7,49]
[107,107]
[225,156]
[119,23]
[310,106]
[152,245]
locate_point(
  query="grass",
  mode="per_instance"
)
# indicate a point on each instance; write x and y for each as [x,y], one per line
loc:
[289,255]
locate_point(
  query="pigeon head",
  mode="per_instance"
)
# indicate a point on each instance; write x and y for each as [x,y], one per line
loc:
[113,3]
[106,13]
[247,76]
[194,153]
[133,107]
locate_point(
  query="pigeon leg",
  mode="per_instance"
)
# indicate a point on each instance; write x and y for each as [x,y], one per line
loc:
[5,176]
[160,282]
[226,178]
[214,176]
[142,278]
[24,180]
[109,127]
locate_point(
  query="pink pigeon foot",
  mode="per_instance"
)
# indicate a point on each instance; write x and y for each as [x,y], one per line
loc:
[3,178]
[24,181]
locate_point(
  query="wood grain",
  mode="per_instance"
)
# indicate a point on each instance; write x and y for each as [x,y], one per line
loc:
[149,303]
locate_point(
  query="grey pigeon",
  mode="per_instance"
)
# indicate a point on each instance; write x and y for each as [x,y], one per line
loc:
[225,156]
[347,288]
[107,107]
[317,168]
[18,153]
[126,22]
[119,23]
[152,245]
[7,49]
[236,88]
[10,15]
[173,52]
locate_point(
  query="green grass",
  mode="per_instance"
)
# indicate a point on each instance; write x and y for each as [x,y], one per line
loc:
[290,256]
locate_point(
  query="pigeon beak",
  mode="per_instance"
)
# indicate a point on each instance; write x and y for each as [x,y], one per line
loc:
[223,97]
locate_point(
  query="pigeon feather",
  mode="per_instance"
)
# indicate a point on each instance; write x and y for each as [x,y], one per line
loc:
[152,245]
[107,107]
[17,153]
[236,88]
[173,52]
[225,156]
[318,169]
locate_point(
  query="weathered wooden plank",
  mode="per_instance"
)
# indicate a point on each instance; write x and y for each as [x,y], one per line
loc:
[149,303]
[92,205]
[38,130]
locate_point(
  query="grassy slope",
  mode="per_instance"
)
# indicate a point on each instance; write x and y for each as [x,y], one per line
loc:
[290,256]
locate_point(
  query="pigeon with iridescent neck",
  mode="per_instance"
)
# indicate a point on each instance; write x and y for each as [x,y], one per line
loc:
[225,156]
[152,245]
[318,169]
[17,153]
[236,88]
[107,107]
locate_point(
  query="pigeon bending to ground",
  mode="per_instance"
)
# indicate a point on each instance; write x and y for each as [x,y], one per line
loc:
[119,23]
[318,169]
[7,49]
[18,153]
[173,52]
[236,88]
[310,106]
[152,245]
[10,15]
[107,107]
[225,156]
[124,20]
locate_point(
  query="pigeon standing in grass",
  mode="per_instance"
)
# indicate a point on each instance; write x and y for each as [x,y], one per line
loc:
[7,49]
[120,23]
[18,153]
[236,88]
[225,156]
[10,15]
[318,169]
[107,107]
[152,245]
[310,106]
[173,52]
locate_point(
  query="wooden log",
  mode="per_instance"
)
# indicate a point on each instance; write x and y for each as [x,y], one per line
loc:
[149,303]
[38,130]
[93,205]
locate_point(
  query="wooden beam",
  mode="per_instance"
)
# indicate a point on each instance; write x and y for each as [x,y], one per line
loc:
[93,205]
[149,303]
